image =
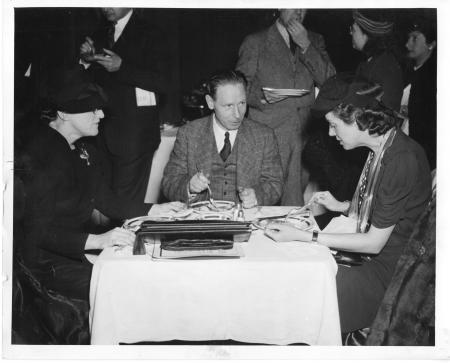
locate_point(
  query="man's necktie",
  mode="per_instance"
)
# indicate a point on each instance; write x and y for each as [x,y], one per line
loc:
[292,45]
[110,34]
[226,150]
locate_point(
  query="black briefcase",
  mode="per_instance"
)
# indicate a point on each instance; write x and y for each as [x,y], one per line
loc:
[192,234]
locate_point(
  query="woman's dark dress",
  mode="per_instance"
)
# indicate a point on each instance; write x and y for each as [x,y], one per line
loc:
[401,194]
[61,192]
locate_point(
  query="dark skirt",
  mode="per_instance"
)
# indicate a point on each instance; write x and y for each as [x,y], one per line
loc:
[360,290]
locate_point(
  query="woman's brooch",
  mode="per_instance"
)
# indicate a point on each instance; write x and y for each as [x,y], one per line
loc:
[84,155]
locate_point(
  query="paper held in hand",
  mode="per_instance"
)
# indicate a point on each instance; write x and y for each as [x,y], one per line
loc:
[288,92]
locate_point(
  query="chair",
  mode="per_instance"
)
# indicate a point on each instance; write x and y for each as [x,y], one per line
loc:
[407,313]
[42,316]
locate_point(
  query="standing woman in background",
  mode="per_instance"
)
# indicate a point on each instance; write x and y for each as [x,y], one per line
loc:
[421,75]
[372,34]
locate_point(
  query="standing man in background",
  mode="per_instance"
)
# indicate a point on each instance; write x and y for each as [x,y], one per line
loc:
[127,58]
[286,55]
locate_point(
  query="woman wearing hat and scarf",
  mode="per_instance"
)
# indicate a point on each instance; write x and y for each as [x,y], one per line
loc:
[421,74]
[63,188]
[393,190]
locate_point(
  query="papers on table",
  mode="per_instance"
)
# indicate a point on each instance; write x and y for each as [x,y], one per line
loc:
[288,92]
[157,253]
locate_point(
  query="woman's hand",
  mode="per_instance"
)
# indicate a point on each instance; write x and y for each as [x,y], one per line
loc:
[115,237]
[329,202]
[286,233]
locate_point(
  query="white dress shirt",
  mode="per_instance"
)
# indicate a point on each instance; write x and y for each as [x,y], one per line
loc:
[219,134]
[121,24]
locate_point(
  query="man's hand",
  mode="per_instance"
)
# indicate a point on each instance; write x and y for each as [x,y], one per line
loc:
[198,183]
[110,61]
[248,197]
[87,50]
[299,34]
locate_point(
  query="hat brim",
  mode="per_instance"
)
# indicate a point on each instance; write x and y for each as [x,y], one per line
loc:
[87,104]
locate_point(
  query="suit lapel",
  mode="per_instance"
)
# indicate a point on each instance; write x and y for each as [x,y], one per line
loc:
[205,147]
[127,35]
[246,144]
[278,46]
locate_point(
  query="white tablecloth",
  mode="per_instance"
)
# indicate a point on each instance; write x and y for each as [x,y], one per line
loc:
[279,293]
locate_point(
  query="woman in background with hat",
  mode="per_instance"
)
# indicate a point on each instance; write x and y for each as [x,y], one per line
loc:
[421,75]
[393,190]
[63,188]
[371,34]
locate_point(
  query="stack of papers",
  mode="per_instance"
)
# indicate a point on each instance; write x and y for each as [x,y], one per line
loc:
[234,252]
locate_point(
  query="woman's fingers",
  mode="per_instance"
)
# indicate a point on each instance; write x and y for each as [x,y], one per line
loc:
[122,237]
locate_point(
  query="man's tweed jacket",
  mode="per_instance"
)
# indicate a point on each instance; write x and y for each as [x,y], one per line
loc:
[258,160]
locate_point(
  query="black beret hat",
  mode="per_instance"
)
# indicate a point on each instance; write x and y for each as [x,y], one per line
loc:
[425,23]
[345,88]
[72,91]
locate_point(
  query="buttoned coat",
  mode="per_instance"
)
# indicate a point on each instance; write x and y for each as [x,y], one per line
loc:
[267,61]
[258,160]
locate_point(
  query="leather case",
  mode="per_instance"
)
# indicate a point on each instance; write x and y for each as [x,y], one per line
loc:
[192,232]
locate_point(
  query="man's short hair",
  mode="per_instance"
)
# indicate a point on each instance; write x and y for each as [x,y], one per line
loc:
[224,77]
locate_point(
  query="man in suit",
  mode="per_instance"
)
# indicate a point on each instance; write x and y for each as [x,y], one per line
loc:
[127,58]
[235,157]
[286,55]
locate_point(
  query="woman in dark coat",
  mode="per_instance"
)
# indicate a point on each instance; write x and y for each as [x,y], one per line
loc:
[63,186]
[392,192]
[371,34]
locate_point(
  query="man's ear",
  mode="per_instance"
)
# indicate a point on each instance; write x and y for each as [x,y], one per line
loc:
[210,102]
